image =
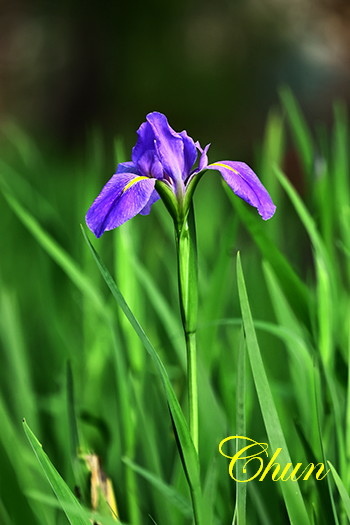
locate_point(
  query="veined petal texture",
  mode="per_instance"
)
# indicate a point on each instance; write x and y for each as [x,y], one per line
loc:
[123,197]
[246,184]
[176,151]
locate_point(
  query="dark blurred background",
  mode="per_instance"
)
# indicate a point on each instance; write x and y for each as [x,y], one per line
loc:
[213,67]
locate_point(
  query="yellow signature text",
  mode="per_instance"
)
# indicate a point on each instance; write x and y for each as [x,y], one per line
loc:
[262,465]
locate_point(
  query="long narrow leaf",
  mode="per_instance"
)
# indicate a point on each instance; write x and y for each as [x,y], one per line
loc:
[342,490]
[241,488]
[187,450]
[56,252]
[69,503]
[290,489]
[167,491]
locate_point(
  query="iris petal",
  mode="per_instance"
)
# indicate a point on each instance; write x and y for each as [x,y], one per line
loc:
[245,183]
[169,146]
[123,197]
[145,142]
[154,197]
[203,159]
[190,153]
[149,165]
[126,167]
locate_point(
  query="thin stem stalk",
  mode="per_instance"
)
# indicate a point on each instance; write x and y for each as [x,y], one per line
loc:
[192,382]
[188,292]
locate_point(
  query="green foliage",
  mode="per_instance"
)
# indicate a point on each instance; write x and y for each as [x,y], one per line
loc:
[273,340]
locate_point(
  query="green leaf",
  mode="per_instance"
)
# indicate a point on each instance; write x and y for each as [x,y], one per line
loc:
[56,252]
[299,128]
[93,517]
[185,444]
[69,503]
[342,490]
[324,270]
[293,286]
[169,492]
[300,357]
[290,489]
[240,515]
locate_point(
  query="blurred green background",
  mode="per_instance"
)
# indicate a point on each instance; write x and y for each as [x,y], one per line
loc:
[77,79]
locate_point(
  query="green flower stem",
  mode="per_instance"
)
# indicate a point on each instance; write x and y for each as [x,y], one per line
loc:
[188,292]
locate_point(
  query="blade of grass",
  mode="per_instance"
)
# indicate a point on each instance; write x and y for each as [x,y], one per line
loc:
[79,469]
[317,395]
[347,414]
[93,516]
[293,287]
[4,516]
[342,490]
[325,272]
[161,306]
[17,358]
[301,363]
[291,492]
[241,488]
[24,467]
[186,447]
[300,131]
[165,490]
[57,253]
[69,503]
[210,491]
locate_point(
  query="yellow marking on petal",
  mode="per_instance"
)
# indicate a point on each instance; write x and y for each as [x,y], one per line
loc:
[132,182]
[225,166]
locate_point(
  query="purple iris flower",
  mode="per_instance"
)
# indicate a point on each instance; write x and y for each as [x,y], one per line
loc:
[161,156]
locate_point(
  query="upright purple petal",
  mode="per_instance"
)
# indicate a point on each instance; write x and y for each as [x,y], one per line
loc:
[144,154]
[203,159]
[169,146]
[190,153]
[145,142]
[123,197]
[149,165]
[245,183]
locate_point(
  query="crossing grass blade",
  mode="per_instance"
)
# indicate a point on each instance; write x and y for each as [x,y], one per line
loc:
[293,286]
[93,516]
[69,503]
[186,448]
[304,215]
[162,308]
[291,492]
[56,252]
[325,272]
[300,130]
[165,490]
[15,458]
[342,490]
[300,356]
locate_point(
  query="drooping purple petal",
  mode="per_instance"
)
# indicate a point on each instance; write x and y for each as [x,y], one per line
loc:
[245,183]
[123,197]
[127,167]
[153,198]
[169,146]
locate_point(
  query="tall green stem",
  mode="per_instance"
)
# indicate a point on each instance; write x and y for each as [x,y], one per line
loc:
[188,291]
